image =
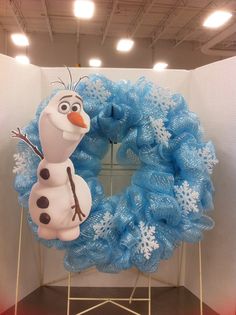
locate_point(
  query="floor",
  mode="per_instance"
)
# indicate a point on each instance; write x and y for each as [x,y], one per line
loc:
[165,301]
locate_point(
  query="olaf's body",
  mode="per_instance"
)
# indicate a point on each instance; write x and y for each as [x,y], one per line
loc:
[60,200]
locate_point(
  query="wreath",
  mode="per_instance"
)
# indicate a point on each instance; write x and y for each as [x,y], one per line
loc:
[170,192]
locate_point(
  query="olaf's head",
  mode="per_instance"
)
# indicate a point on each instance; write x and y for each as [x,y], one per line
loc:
[65,112]
[63,122]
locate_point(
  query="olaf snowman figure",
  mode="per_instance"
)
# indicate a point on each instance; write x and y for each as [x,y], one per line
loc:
[60,200]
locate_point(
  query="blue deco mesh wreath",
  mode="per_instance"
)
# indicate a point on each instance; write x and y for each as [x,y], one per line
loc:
[169,195]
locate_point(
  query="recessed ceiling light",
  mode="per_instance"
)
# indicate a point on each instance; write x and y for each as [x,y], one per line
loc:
[84,9]
[94,62]
[160,66]
[125,44]
[217,19]
[20,39]
[22,59]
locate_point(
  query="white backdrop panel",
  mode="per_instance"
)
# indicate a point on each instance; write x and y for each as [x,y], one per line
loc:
[211,94]
[20,92]
[213,98]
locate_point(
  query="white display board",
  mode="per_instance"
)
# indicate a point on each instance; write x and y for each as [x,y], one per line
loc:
[20,92]
[213,97]
[211,94]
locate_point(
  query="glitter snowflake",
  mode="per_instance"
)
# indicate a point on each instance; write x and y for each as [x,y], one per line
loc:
[187,197]
[161,132]
[147,242]
[96,91]
[208,157]
[20,163]
[161,98]
[102,228]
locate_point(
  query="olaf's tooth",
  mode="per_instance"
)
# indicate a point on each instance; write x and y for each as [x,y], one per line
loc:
[70,136]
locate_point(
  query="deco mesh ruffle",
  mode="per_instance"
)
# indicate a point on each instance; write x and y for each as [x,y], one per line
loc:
[169,195]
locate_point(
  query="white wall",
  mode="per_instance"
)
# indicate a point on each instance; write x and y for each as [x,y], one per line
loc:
[213,98]
[63,51]
[17,108]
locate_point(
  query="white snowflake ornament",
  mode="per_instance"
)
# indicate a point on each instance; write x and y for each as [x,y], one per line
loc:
[102,228]
[147,243]
[162,98]
[20,163]
[96,90]
[208,157]
[187,198]
[162,134]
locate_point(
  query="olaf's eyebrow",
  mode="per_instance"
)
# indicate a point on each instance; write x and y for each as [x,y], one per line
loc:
[65,97]
[78,97]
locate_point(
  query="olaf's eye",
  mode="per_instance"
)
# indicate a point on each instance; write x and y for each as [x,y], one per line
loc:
[76,107]
[64,107]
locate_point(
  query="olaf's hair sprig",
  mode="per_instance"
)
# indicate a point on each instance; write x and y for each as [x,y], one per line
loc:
[71,86]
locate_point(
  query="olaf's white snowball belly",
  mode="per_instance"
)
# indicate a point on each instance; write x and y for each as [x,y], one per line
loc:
[50,207]
[54,174]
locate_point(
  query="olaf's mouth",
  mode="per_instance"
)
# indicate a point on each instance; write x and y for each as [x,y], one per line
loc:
[71,136]
[66,134]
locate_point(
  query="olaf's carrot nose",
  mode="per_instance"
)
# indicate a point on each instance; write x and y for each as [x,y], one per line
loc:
[76,119]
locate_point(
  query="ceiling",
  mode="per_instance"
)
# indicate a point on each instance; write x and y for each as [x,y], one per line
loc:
[176,20]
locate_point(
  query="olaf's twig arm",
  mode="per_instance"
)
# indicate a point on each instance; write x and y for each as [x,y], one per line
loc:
[78,211]
[18,134]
